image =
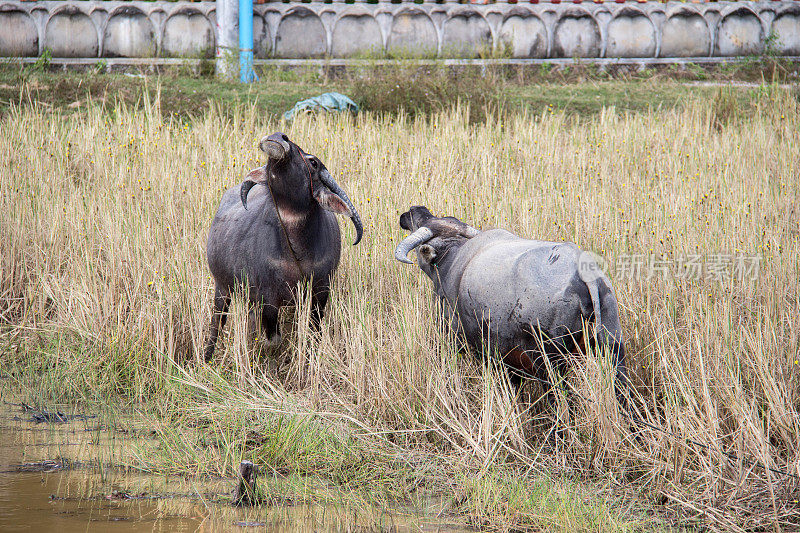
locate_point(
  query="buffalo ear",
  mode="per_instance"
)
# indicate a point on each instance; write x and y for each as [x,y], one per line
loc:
[427,252]
[331,202]
[416,217]
[255,176]
[405,221]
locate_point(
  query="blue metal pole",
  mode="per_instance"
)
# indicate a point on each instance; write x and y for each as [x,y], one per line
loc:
[246,74]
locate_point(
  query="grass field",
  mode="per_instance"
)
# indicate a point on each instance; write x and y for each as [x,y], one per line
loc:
[576,91]
[103,218]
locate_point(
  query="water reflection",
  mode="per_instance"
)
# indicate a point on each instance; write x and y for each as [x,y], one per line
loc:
[65,477]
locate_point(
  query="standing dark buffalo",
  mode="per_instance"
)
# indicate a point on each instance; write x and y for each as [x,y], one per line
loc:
[282,234]
[528,298]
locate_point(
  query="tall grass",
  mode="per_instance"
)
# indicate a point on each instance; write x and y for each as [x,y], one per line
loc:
[103,219]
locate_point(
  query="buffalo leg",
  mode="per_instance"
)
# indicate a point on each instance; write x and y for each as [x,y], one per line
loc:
[539,374]
[318,303]
[624,389]
[519,365]
[515,379]
[622,384]
[218,317]
[556,354]
[269,322]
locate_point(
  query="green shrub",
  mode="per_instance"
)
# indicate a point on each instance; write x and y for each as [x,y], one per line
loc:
[424,89]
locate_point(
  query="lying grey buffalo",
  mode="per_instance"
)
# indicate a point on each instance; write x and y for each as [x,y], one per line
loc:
[282,234]
[528,298]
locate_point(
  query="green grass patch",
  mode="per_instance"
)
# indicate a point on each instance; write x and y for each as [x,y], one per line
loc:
[407,87]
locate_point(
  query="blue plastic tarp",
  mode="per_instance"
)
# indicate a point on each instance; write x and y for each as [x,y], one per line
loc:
[327,102]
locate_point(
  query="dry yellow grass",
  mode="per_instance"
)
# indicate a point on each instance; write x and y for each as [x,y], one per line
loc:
[103,219]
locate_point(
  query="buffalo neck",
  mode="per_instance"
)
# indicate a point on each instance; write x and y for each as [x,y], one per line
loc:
[289,186]
[294,202]
[298,220]
[443,270]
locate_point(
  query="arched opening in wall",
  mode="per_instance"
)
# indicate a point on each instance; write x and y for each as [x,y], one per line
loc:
[262,38]
[188,33]
[18,34]
[71,33]
[576,35]
[685,34]
[523,35]
[129,33]
[631,34]
[466,34]
[739,34]
[356,33]
[301,34]
[785,32]
[412,35]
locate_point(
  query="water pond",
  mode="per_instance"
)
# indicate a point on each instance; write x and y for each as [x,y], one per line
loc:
[66,472]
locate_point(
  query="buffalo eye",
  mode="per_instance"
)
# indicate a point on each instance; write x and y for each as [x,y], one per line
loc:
[314,164]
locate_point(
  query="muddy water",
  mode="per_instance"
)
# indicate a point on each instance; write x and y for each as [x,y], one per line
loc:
[64,476]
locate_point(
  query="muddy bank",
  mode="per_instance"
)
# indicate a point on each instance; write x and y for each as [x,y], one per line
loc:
[69,471]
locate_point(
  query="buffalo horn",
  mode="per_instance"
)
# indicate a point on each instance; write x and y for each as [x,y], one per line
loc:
[471,232]
[329,182]
[420,236]
[246,186]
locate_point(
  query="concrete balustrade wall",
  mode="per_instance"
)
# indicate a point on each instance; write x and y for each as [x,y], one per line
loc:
[111,28]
